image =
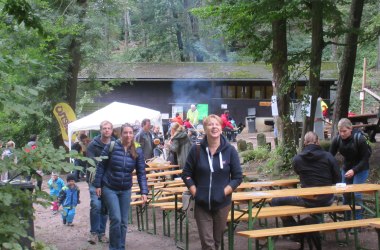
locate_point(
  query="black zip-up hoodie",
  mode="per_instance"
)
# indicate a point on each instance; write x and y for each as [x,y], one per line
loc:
[210,184]
[317,168]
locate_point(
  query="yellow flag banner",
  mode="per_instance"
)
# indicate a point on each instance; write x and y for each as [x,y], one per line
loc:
[64,114]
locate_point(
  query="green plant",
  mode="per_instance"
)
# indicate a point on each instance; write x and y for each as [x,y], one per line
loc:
[325,145]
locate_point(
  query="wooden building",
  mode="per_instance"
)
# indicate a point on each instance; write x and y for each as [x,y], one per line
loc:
[214,87]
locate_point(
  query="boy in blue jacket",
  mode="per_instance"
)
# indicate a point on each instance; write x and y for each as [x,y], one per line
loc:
[69,199]
[55,185]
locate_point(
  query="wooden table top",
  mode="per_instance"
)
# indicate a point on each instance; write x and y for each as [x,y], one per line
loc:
[162,173]
[158,168]
[263,184]
[241,196]
[175,190]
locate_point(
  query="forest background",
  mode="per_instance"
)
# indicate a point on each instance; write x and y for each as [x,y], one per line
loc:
[45,43]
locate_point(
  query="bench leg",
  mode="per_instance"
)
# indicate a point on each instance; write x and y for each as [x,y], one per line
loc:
[270,243]
[378,238]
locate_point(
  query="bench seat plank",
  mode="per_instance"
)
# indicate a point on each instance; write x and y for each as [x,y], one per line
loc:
[269,212]
[263,233]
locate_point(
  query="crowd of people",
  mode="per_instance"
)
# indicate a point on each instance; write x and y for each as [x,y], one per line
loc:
[211,171]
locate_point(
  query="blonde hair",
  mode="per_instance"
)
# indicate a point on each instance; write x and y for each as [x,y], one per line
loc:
[10,144]
[177,127]
[310,138]
[344,123]
[207,119]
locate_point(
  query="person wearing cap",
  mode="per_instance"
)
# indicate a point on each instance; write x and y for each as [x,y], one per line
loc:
[55,185]
[69,199]
[192,115]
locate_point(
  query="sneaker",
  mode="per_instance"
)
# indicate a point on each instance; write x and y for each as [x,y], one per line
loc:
[55,212]
[93,239]
[103,238]
[64,221]
[70,224]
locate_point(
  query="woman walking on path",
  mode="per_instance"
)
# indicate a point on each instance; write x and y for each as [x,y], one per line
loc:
[113,182]
[212,172]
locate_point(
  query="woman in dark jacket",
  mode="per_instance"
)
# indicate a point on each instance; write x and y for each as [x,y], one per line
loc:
[212,172]
[353,147]
[113,181]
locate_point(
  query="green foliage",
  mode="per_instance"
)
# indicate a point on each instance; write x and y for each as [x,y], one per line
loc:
[258,154]
[325,145]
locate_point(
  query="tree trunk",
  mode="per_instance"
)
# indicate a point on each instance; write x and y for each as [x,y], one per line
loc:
[178,33]
[194,24]
[343,93]
[127,28]
[280,76]
[74,66]
[315,60]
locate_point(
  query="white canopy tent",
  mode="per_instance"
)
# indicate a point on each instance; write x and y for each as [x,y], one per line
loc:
[118,114]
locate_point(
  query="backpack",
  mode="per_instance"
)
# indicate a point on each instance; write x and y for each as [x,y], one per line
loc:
[356,135]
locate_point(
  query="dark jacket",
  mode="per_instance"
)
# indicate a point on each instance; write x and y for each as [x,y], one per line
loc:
[116,172]
[94,149]
[210,185]
[146,141]
[317,168]
[356,155]
[181,145]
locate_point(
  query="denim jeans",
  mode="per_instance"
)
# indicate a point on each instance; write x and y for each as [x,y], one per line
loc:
[358,178]
[320,201]
[288,221]
[118,203]
[98,220]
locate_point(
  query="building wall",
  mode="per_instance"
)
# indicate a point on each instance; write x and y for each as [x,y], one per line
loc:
[162,95]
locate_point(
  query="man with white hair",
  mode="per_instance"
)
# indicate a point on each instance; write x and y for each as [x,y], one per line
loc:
[192,115]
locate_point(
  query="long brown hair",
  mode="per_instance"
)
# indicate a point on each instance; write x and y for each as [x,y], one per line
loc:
[132,147]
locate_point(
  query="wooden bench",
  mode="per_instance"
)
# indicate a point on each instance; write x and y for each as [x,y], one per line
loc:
[167,208]
[273,212]
[270,233]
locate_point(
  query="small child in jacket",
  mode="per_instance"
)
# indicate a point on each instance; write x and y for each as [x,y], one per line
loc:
[69,199]
[55,185]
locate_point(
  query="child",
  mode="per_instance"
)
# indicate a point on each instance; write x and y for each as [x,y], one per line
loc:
[55,185]
[69,199]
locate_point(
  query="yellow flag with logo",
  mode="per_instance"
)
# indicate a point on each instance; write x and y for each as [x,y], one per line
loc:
[64,114]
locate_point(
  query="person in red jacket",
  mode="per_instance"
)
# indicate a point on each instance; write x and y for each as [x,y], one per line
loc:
[227,126]
[177,119]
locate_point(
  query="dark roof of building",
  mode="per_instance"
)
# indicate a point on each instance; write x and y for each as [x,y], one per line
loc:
[186,71]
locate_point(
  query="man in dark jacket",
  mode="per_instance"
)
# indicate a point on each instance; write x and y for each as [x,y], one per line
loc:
[145,138]
[316,168]
[98,220]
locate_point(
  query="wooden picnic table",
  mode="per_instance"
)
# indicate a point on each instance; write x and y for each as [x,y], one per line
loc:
[258,198]
[245,185]
[270,184]
[159,168]
[362,122]
[161,174]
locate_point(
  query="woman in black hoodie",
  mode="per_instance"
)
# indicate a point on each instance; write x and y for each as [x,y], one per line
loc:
[212,172]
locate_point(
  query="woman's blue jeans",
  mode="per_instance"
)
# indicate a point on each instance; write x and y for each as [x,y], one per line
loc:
[118,203]
[358,178]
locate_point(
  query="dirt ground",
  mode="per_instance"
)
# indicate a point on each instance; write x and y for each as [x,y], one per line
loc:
[49,229]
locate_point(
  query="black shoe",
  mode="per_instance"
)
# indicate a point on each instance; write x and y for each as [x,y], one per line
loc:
[64,221]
